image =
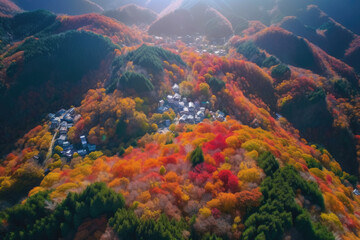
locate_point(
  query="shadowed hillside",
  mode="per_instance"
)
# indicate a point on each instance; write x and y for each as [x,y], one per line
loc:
[132,14]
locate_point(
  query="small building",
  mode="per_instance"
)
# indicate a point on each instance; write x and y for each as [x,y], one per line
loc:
[68,153]
[66,144]
[167,123]
[183,119]
[220,116]
[161,103]
[71,112]
[51,116]
[185,111]
[77,118]
[202,109]
[60,112]
[68,118]
[198,119]
[82,152]
[162,109]
[91,147]
[181,105]
[170,99]
[185,100]
[55,123]
[191,106]
[191,119]
[83,141]
[63,130]
[177,97]
[200,114]
[356,192]
[176,88]
[61,139]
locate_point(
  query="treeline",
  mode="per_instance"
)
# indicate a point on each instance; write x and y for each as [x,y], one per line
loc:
[24,25]
[279,212]
[49,74]
[147,57]
[37,220]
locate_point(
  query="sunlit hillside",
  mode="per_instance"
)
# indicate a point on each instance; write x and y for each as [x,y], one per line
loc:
[187,119]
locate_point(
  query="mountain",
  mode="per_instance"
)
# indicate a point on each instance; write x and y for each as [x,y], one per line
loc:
[71,7]
[8,8]
[56,61]
[154,5]
[211,120]
[132,14]
[200,19]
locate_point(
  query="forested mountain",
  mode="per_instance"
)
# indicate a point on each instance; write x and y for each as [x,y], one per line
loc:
[189,119]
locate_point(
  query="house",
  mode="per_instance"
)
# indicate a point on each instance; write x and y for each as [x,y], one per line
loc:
[170,99]
[202,109]
[161,103]
[91,147]
[61,139]
[200,114]
[68,153]
[66,144]
[191,107]
[191,119]
[68,118]
[60,112]
[167,123]
[176,88]
[71,112]
[198,119]
[55,123]
[356,192]
[82,152]
[63,129]
[177,97]
[77,118]
[183,119]
[220,116]
[162,109]
[181,105]
[51,116]
[83,141]
[185,111]
[185,100]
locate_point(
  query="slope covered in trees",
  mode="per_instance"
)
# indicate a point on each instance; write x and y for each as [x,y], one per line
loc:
[132,14]
[8,8]
[199,19]
[273,153]
[50,71]
[72,7]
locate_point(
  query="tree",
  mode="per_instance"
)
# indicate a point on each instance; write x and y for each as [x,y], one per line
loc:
[216,84]
[268,163]
[197,156]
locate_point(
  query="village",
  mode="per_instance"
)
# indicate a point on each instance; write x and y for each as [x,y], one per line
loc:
[187,111]
[198,42]
[61,122]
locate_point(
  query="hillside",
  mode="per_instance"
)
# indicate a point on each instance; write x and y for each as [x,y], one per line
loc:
[75,71]
[8,8]
[189,119]
[132,15]
[155,5]
[71,7]
[200,19]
